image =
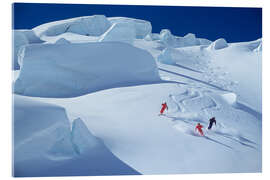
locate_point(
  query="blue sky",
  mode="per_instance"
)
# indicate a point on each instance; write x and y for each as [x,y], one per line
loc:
[233,24]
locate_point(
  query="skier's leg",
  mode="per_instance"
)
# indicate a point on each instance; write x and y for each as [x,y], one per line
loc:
[210,126]
[201,132]
[162,110]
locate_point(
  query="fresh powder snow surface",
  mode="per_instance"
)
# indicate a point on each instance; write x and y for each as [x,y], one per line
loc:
[92,107]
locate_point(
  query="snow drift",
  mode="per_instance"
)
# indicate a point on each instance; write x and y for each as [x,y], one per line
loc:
[68,70]
[44,145]
[187,57]
[219,44]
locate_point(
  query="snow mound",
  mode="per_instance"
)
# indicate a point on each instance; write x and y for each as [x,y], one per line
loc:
[176,42]
[165,57]
[230,98]
[69,70]
[142,28]
[203,41]
[189,40]
[19,40]
[259,48]
[83,139]
[190,58]
[255,46]
[62,41]
[167,38]
[219,44]
[44,145]
[94,25]
[153,36]
[122,32]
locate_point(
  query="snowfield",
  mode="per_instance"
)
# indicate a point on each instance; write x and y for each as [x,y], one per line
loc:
[87,99]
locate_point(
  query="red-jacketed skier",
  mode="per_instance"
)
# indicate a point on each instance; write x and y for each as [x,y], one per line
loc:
[199,128]
[164,106]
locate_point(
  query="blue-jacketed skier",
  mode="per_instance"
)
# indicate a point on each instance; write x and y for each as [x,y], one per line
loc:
[211,122]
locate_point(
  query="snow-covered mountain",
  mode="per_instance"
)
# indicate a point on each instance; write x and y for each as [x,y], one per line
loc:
[88,91]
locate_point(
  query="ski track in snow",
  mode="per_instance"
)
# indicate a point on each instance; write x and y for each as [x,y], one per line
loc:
[194,79]
[192,101]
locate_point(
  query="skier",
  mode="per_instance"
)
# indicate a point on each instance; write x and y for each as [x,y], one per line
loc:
[211,121]
[164,106]
[199,127]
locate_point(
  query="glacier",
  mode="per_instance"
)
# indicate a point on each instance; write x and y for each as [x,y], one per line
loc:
[88,90]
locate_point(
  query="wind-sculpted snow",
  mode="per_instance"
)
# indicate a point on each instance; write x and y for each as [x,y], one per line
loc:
[219,44]
[167,38]
[188,57]
[89,26]
[19,40]
[62,41]
[259,48]
[44,145]
[203,41]
[121,32]
[141,27]
[165,57]
[176,42]
[30,35]
[255,46]
[188,40]
[68,70]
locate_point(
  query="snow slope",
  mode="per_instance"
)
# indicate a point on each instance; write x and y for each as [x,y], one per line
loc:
[244,67]
[128,122]
[45,145]
[218,67]
[68,70]
[115,89]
